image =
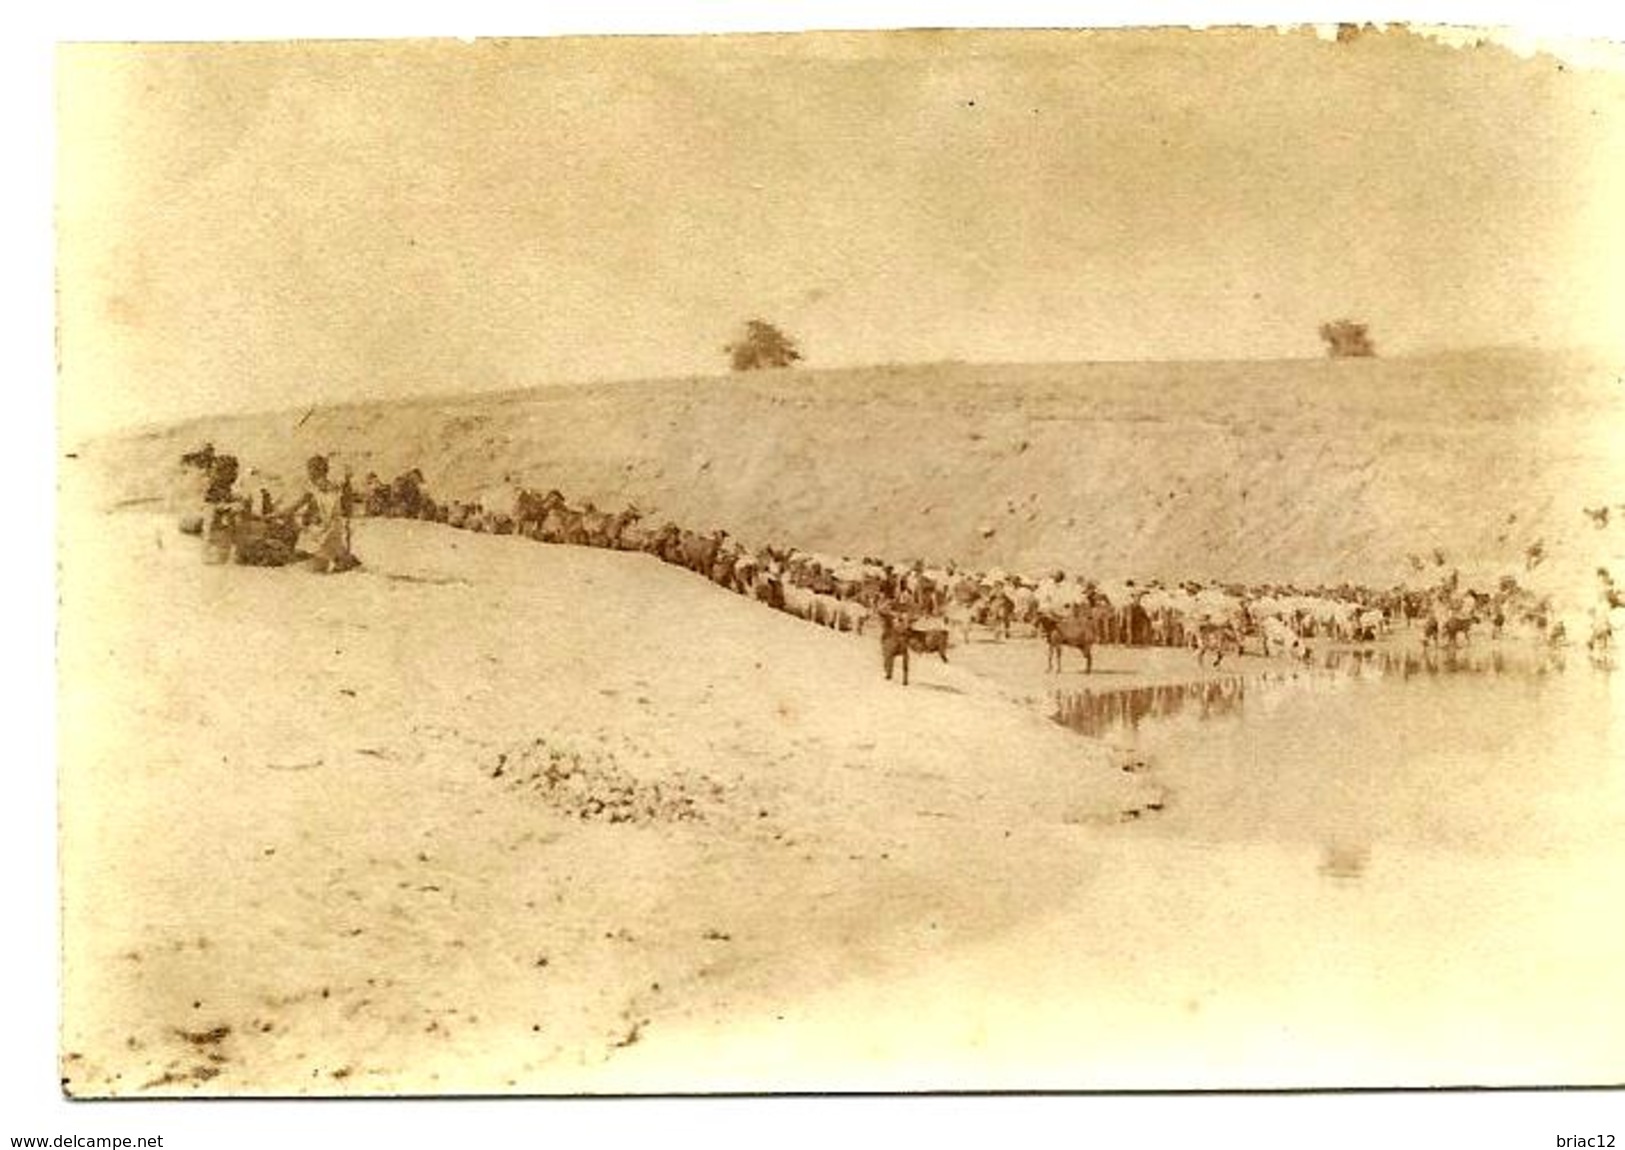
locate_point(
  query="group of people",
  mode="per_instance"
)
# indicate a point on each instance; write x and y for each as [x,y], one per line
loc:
[312,527]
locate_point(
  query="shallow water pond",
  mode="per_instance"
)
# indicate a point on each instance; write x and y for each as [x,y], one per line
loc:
[1489,750]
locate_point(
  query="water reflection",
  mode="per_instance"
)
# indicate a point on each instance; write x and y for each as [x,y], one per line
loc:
[1408,664]
[1347,763]
[1121,711]
[1106,712]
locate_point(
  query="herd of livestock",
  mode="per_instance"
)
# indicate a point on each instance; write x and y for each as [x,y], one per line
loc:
[916,606]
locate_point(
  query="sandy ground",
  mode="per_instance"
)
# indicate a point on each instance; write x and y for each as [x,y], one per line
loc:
[487,815]
[490,816]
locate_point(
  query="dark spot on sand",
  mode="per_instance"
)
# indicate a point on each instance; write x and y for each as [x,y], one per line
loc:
[205,1037]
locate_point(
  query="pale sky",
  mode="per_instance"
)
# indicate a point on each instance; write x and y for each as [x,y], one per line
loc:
[264,225]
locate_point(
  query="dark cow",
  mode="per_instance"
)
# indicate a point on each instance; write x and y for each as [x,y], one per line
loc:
[894,634]
[406,495]
[532,509]
[769,590]
[1448,631]
[1074,630]
[898,636]
[699,552]
[929,641]
[667,543]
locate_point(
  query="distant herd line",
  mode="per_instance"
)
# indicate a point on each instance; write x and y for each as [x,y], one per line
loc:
[918,607]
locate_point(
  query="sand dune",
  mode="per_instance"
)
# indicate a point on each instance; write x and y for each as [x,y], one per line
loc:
[1315,471]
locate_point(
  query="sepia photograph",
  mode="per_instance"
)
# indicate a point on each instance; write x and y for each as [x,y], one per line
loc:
[964,560]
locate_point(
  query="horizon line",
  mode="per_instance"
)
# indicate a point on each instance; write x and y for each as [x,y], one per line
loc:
[617,381]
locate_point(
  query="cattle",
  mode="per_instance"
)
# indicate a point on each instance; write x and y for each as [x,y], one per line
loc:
[1276,633]
[1024,604]
[1137,624]
[406,494]
[994,611]
[1072,630]
[894,635]
[899,636]
[921,588]
[1217,638]
[852,615]
[615,529]
[374,496]
[798,601]
[961,617]
[770,591]
[461,515]
[665,543]
[540,515]
[724,569]
[1447,629]
[929,641]
[699,552]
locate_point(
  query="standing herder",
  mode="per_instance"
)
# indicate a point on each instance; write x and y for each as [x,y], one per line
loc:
[190,502]
[222,509]
[323,510]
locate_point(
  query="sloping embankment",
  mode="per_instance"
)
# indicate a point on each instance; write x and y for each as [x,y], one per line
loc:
[1304,471]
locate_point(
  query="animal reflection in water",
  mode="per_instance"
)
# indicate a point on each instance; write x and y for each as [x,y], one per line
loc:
[1442,661]
[1097,714]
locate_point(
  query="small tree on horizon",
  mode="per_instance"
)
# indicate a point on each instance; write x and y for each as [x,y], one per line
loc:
[1346,339]
[763,346]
